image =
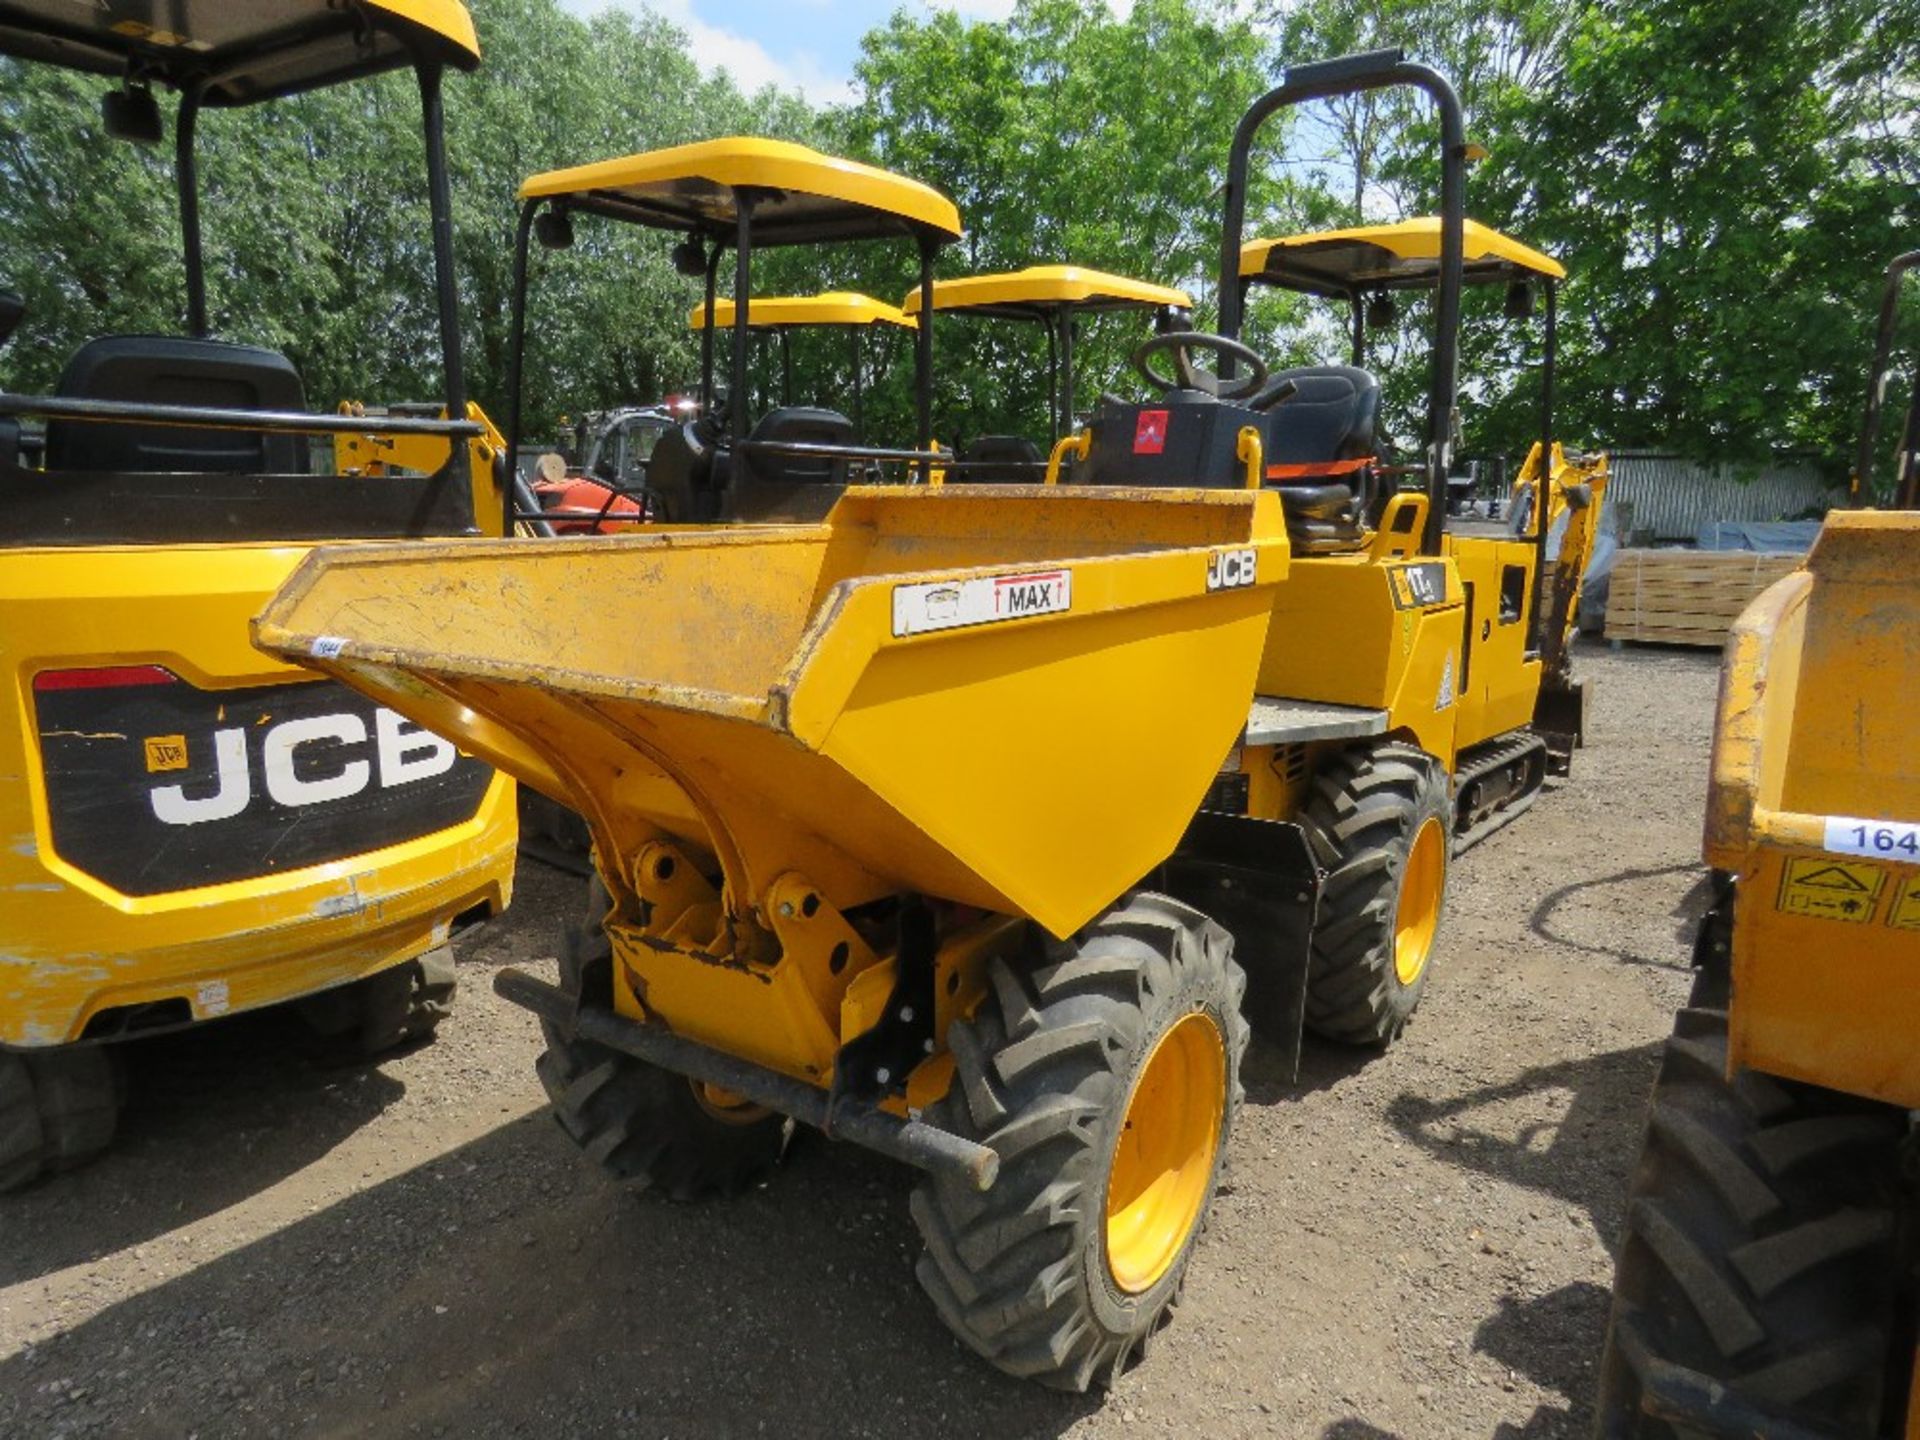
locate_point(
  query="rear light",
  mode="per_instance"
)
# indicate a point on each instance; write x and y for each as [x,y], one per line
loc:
[104,677]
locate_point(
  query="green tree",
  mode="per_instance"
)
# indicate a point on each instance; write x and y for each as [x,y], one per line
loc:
[1065,135]
[315,217]
[1726,181]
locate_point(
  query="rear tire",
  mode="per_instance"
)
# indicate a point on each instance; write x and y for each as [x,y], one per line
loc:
[1761,1259]
[407,1002]
[1063,1271]
[58,1110]
[647,1127]
[1380,821]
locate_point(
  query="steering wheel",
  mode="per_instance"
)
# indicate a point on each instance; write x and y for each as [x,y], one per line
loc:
[1181,342]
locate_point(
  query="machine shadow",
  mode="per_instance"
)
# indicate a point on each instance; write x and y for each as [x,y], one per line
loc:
[1686,914]
[506,1288]
[1323,1065]
[214,1114]
[218,1113]
[1581,1159]
[1554,1340]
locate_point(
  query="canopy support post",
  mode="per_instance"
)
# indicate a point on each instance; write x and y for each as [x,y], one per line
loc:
[923,359]
[445,286]
[186,172]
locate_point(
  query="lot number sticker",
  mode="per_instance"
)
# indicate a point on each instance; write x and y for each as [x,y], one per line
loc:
[951,604]
[1882,839]
[1831,889]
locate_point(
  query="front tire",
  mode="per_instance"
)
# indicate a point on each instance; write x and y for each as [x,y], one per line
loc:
[1105,1071]
[1380,821]
[647,1127]
[1761,1263]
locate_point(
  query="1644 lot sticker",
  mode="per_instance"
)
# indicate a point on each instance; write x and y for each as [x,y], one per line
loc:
[1881,839]
[952,604]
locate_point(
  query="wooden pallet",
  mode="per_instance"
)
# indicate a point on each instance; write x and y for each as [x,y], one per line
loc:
[1686,597]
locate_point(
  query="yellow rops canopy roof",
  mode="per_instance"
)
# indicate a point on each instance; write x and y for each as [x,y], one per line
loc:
[1404,256]
[240,52]
[1038,290]
[798,194]
[833,307]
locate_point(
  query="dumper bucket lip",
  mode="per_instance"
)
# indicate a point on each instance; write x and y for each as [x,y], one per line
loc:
[272,635]
[1111,619]
[1739,822]
[771,708]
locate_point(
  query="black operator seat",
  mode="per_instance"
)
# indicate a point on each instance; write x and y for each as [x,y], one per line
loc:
[769,485]
[999,460]
[173,370]
[1318,444]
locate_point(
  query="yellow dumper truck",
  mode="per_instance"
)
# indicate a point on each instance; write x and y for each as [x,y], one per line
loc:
[192,829]
[1767,1284]
[976,823]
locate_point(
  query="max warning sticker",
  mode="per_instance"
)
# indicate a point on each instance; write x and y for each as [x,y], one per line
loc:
[1831,889]
[951,604]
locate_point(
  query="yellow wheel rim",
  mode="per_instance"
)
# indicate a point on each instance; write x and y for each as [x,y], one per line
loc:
[1164,1159]
[722,1104]
[1418,915]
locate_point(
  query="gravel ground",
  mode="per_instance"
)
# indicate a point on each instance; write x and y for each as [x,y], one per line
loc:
[1411,1244]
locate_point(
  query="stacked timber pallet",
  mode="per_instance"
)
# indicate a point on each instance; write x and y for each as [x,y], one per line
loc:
[1686,597]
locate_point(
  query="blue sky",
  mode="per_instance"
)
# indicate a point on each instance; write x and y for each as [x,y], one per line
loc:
[804,45]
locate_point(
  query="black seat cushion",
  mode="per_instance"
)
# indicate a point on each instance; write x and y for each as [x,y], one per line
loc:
[171,370]
[769,485]
[1330,416]
[1000,460]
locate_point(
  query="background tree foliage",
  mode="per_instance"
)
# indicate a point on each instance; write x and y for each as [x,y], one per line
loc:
[1723,178]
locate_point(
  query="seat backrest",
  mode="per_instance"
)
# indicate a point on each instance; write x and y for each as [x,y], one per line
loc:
[1330,416]
[680,473]
[776,487]
[1002,460]
[172,370]
[799,424]
[12,308]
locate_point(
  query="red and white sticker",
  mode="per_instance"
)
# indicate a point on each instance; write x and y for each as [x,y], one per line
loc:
[951,604]
[1150,432]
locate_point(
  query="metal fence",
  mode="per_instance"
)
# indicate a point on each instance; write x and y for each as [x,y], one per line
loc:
[1656,496]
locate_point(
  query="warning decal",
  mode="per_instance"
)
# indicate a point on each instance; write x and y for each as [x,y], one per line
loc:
[1831,889]
[951,604]
[1150,432]
[1904,913]
[1445,697]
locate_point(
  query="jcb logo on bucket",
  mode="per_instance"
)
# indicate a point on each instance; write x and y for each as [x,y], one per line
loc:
[308,761]
[1231,569]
